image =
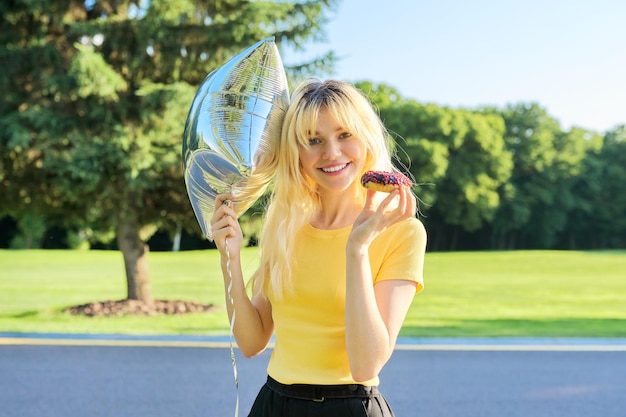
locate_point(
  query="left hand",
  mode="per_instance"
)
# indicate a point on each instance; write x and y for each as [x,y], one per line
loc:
[374,220]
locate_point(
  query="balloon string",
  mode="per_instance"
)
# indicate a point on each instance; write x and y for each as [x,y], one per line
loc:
[232,325]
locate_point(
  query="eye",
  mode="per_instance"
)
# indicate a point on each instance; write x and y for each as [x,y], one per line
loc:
[314,141]
[345,135]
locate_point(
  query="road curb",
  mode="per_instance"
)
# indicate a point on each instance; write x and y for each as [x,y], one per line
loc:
[404,343]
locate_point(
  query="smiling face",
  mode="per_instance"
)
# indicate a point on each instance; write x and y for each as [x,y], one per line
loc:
[334,157]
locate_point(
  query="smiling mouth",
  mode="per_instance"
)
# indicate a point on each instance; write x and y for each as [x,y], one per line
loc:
[334,168]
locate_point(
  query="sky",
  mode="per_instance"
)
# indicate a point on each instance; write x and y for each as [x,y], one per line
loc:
[567,55]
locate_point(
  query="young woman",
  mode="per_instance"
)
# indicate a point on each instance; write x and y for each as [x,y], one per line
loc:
[339,264]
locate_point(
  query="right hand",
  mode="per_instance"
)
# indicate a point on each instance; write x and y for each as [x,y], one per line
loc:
[224,225]
[399,205]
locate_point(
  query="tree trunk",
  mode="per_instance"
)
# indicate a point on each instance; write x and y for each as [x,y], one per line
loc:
[135,261]
[177,237]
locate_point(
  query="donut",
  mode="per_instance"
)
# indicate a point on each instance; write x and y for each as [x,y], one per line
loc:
[384,181]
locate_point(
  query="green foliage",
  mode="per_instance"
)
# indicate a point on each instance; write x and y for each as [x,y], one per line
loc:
[478,166]
[32,229]
[598,219]
[95,101]
[96,96]
[536,206]
[93,76]
[461,152]
[507,178]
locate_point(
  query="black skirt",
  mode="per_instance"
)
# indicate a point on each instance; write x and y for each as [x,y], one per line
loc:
[302,400]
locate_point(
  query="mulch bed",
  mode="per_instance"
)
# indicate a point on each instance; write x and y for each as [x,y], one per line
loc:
[136,307]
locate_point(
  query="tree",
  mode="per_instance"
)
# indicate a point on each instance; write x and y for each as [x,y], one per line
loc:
[610,204]
[96,93]
[598,219]
[530,137]
[552,220]
[461,152]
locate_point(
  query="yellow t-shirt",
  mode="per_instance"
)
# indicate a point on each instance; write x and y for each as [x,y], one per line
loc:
[309,322]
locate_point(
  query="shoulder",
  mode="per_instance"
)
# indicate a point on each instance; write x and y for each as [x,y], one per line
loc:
[399,252]
[407,235]
[409,229]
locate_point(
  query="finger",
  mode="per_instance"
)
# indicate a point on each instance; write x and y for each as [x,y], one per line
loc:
[223,222]
[228,209]
[404,200]
[407,203]
[412,203]
[219,231]
[369,200]
[402,208]
[385,203]
[224,198]
[223,207]
[223,230]
[217,205]
[219,199]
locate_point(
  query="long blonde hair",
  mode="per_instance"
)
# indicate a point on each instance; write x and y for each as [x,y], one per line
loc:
[294,198]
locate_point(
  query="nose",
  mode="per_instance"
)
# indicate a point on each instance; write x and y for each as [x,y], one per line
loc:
[331,150]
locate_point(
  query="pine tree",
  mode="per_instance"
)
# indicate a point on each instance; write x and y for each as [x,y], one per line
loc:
[95,96]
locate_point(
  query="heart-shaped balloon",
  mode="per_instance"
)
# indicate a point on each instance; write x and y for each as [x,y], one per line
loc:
[237,108]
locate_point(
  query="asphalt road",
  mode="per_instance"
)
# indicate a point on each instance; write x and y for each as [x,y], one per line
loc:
[137,381]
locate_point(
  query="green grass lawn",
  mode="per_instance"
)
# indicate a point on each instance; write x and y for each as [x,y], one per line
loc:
[470,294]
[522,293]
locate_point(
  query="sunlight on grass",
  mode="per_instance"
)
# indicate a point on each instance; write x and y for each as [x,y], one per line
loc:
[538,293]
[520,293]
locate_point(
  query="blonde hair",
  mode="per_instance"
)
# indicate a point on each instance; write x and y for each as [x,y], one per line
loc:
[294,198]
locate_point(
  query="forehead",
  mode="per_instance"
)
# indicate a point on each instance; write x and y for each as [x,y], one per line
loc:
[327,121]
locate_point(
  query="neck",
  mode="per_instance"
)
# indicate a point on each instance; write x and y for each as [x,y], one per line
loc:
[337,210]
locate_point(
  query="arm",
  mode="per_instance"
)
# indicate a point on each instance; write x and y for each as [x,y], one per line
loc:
[253,319]
[374,314]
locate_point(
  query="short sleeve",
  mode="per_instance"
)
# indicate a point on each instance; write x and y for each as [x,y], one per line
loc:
[398,253]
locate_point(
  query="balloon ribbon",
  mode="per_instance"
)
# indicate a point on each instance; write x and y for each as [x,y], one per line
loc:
[232,325]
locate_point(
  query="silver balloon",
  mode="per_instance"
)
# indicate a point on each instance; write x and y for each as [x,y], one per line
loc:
[237,108]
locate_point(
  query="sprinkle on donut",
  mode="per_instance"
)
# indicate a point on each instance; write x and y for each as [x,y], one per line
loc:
[384,181]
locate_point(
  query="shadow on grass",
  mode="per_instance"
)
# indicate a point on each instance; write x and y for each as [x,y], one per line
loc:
[575,327]
[22,314]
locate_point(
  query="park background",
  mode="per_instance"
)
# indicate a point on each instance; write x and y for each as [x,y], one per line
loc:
[95,96]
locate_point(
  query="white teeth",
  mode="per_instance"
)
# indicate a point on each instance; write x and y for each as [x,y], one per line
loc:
[335,168]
